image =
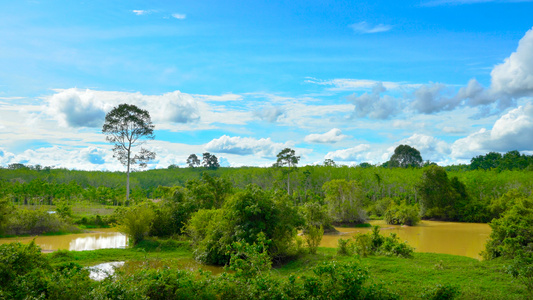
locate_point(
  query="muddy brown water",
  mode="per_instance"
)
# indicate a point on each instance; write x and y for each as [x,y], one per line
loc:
[97,239]
[466,239]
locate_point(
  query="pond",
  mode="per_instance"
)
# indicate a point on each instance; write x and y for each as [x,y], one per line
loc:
[97,239]
[465,239]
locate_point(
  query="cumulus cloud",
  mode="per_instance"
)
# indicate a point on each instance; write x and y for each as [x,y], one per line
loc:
[374,105]
[431,148]
[514,76]
[356,153]
[173,107]
[513,131]
[333,136]
[430,99]
[76,108]
[364,27]
[269,113]
[245,146]
[87,108]
[89,158]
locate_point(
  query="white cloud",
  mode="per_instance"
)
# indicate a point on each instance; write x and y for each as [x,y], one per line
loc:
[356,154]
[245,146]
[514,77]
[179,16]
[219,98]
[140,12]
[373,105]
[347,84]
[76,108]
[430,99]
[513,131]
[430,148]
[333,136]
[269,113]
[87,108]
[364,27]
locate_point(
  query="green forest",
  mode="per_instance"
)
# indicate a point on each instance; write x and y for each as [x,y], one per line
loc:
[265,225]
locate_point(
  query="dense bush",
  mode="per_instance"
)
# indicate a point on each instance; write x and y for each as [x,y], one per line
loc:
[136,222]
[365,244]
[241,219]
[402,214]
[26,274]
[440,197]
[345,201]
[26,221]
[513,232]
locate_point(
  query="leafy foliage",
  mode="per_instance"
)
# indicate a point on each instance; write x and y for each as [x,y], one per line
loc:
[402,214]
[365,244]
[511,234]
[440,197]
[345,201]
[242,218]
[193,161]
[405,156]
[210,161]
[136,222]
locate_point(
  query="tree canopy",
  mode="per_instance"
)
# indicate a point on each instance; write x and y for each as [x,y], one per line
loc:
[405,156]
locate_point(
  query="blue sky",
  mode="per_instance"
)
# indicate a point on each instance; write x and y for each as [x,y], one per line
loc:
[345,80]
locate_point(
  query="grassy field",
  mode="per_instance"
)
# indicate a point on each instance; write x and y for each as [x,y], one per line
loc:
[409,277]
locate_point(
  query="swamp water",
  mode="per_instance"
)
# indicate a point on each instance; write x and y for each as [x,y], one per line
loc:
[465,239]
[98,239]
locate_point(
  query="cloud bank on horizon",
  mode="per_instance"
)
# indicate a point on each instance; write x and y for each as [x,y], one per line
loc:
[348,119]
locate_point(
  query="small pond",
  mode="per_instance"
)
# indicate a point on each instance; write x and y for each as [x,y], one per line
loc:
[465,239]
[97,239]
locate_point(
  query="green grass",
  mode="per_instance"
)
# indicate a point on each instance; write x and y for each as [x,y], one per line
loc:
[410,278]
[146,250]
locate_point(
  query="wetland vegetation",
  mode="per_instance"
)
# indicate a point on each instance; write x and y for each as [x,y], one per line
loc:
[264,227]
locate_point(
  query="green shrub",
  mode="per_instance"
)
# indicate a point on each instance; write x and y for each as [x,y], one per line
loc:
[521,268]
[374,243]
[402,214]
[241,219]
[442,292]
[513,232]
[313,236]
[25,221]
[136,222]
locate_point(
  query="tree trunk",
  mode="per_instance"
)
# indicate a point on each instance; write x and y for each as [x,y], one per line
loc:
[128,180]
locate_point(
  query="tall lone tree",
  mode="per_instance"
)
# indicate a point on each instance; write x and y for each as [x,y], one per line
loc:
[127,127]
[287,157]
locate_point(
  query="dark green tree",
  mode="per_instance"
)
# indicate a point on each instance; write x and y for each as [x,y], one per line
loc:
[287,157]
[439,196]
[210,161]
[193,161]
[329,163]
[486,162]
[127,127]
[405,156]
